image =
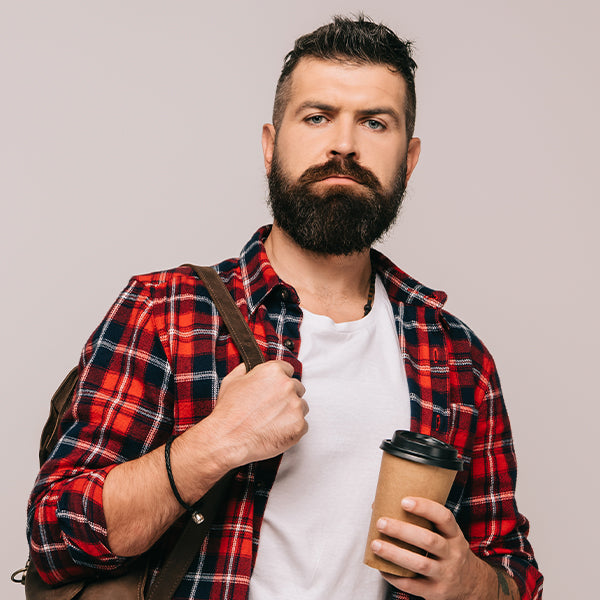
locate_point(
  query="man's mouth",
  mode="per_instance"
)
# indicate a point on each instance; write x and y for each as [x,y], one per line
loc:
[339,179]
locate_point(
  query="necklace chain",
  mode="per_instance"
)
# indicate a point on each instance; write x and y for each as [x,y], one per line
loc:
[369,305]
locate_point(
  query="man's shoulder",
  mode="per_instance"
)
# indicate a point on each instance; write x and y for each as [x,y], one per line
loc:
[184,275]
[249,266]
[462,335]
[429,305]
[175,297]
[403,288]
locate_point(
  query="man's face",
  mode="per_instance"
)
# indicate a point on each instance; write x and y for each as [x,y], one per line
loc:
[339,161]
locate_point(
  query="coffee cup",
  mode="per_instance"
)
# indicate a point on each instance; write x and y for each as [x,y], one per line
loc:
[412,464]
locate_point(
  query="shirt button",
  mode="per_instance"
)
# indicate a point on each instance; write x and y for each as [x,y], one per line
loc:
[285,294]
[289,344]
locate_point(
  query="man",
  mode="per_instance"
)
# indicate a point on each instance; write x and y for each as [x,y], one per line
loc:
[344,331]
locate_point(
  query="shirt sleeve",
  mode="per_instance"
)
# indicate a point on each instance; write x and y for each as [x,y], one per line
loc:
[488,513]
[122,408]
[485,508]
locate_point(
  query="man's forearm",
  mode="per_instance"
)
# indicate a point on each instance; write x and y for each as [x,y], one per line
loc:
[139,505]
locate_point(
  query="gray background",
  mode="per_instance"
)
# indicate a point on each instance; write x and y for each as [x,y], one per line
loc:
[129,142]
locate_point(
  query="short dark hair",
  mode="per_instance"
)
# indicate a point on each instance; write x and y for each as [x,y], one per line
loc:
[359,41]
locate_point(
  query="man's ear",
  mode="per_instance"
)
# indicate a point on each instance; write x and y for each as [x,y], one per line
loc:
[412,156]
[268,145]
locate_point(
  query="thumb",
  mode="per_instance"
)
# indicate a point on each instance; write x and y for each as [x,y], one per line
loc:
[236,373]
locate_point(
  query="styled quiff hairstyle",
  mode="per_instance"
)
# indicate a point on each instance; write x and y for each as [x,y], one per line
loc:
[359,41]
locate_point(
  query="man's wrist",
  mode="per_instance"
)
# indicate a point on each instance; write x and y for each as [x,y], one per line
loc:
[494,583]
[199,459]
[507,586]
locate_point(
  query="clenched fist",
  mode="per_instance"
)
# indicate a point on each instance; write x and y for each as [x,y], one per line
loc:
[261,413]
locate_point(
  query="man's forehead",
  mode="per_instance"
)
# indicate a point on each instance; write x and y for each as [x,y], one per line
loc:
[340,77]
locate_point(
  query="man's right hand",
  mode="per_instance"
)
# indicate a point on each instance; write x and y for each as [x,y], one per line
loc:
[259,414]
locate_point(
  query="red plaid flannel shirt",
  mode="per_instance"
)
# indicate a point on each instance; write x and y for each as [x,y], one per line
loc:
[153,368]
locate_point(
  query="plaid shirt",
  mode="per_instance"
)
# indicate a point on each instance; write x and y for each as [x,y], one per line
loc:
[153,367]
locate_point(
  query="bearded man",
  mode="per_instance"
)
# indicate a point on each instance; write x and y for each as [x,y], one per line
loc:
[345,332]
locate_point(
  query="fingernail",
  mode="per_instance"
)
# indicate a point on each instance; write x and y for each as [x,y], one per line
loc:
[376,546]
[381,524]
[408,503]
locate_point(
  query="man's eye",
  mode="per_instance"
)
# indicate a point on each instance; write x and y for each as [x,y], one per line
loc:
[373,124]
[316,119]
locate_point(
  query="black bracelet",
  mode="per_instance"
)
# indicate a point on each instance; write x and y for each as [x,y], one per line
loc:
[196,515]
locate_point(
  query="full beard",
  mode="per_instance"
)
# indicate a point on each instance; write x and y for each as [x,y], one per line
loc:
[342,219]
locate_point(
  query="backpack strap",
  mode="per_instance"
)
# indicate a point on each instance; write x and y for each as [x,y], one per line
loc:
[237,326]
[192,537]
[189,542]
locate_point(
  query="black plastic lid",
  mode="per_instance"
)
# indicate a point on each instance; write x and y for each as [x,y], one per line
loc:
[422,449]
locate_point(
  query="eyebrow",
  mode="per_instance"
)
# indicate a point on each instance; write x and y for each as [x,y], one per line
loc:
[376,110]
[313,104]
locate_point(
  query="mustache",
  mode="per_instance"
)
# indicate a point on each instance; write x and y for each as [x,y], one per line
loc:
[343,167]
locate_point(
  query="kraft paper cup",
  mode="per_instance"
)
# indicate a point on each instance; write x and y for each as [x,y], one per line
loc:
[412,464]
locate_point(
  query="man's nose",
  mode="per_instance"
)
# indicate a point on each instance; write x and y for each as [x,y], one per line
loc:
[343,143]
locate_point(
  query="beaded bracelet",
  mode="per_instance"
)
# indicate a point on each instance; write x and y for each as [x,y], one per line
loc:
[193,509]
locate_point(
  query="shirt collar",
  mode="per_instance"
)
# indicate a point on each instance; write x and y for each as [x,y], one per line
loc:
[402,287]
[259,278]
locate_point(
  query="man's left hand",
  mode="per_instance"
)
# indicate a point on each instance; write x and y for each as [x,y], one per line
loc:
[450,571]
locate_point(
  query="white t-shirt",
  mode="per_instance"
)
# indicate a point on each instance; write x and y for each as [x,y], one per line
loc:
[317,517]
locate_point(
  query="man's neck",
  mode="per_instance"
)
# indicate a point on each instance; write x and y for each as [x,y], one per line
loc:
[335,286]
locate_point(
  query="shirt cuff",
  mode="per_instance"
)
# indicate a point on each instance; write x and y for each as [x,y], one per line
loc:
[80,515]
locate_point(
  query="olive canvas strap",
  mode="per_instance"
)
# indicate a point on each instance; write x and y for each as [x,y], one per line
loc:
[192,537]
